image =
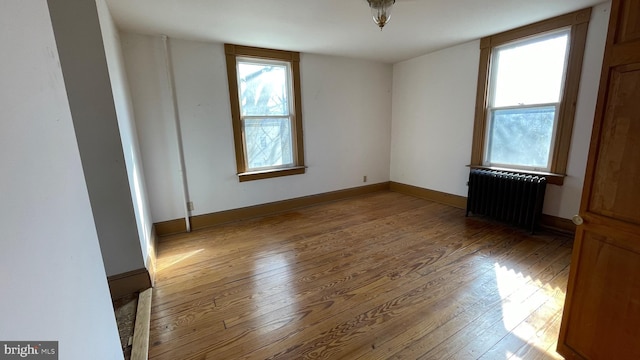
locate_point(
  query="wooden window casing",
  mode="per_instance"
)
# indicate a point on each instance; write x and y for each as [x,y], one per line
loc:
[232,52]
[578,22]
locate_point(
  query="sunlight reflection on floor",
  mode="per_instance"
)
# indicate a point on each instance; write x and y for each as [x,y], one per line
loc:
[531,310]
[172,260]
[266,262]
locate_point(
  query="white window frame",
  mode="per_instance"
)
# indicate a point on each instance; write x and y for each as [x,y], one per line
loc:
[290,106]
[493,73]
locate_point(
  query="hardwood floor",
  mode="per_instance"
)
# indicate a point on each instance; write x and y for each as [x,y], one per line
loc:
[381,276]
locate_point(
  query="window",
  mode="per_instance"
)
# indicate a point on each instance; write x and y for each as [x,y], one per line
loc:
[527,90]
[524,99]
[264,89]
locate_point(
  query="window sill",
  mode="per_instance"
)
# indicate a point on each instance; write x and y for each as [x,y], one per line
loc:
[271,173]
[555,179]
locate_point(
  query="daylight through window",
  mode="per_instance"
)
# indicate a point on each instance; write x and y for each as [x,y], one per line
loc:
[525,92]
[528,84]
[265,103]
[264,108]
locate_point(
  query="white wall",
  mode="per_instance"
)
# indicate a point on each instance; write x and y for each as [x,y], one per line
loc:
[152,101]
[51,272]
[433,110]
[126,124]
[346,118]
[82,56]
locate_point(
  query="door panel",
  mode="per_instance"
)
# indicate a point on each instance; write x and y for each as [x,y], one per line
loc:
[601,318]
[630,22]
[617,173]
[600,287]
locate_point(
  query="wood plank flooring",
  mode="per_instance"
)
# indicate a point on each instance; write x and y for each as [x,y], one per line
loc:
[381,276]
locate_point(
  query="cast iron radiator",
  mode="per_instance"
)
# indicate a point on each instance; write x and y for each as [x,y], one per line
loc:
[505,196]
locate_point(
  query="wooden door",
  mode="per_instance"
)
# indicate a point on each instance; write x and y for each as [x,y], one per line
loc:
[601,317]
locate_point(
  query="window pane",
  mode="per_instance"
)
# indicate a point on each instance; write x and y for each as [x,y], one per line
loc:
[530,73]
[263,88]
[268,142]
[521,137]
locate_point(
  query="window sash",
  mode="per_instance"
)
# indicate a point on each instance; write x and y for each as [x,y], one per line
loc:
[265,116]
[490,127]
[289,139]
[288,74]
[495,51]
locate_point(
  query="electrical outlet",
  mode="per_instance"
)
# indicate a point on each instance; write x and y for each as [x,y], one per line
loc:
[190,205]
[364,178]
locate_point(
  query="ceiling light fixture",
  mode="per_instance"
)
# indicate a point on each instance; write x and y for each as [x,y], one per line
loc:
[381,11]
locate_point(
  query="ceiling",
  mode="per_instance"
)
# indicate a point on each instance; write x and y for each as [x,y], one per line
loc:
[335,27]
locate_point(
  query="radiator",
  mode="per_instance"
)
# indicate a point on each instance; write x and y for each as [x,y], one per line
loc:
[505,196]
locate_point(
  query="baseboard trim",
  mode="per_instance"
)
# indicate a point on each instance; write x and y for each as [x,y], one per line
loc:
[217,218]
[140,345]
[175,226]
[427,194]
[558,224]
[549,222]
[202,221]
[129,282]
